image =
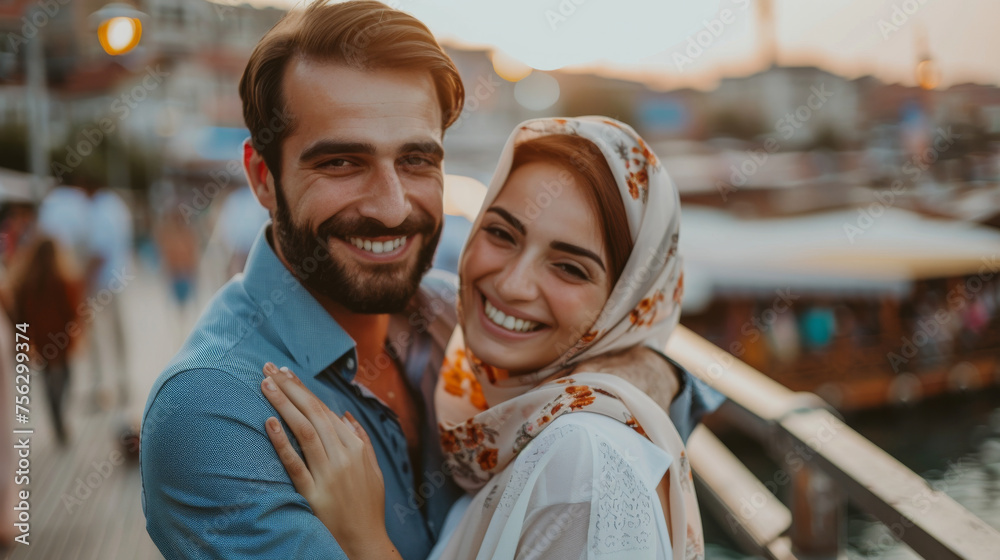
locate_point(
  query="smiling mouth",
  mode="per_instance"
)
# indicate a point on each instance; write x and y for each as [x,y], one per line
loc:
[509,322]
[377,247]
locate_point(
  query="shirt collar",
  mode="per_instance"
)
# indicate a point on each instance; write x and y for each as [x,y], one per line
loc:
[312,336]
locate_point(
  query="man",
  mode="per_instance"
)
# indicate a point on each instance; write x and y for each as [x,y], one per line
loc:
[346,105]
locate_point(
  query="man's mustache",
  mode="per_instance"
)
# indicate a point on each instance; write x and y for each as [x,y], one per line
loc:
[368,227]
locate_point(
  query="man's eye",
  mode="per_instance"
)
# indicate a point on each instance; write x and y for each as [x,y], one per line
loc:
[336,162]
[417,160]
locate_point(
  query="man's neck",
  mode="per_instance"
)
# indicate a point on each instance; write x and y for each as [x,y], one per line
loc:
[368,330]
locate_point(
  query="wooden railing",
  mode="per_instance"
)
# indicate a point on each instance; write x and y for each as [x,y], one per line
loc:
[823,463]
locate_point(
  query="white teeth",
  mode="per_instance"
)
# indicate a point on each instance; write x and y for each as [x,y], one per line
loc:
[506,321]
[377,247]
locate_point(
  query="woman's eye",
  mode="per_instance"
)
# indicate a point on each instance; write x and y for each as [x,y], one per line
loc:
[498,233]
[573,270]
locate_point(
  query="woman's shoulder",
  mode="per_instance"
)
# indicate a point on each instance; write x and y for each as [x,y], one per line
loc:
[609,443]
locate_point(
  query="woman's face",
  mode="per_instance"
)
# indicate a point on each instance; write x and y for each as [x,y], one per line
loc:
[532,287]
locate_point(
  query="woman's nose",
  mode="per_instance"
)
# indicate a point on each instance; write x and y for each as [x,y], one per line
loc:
[517,281]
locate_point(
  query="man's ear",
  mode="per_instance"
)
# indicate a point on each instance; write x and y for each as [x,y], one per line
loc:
[259,176]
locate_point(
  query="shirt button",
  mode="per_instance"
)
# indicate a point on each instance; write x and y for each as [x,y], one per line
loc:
[349,363]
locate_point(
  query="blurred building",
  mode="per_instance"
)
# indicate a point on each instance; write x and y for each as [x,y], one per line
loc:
[183,75]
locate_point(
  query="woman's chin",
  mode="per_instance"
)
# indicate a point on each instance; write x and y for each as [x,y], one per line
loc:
[499,355]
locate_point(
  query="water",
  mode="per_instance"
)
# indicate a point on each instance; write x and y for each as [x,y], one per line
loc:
[953,442]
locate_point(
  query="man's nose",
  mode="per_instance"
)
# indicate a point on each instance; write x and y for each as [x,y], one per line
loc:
[386,199]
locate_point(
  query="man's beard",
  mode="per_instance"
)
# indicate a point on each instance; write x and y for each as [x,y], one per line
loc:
[369,287]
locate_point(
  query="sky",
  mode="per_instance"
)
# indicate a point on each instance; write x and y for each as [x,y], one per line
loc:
[693,43]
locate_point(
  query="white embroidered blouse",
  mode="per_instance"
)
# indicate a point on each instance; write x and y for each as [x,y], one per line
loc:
[583,489]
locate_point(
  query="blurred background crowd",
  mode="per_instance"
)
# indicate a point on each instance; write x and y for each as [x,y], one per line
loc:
[838,166]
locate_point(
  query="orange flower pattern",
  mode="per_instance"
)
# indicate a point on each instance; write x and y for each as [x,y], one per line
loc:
[634,424]
[487,459]
[589,337]
[460,381]
[679,289]
[645,313]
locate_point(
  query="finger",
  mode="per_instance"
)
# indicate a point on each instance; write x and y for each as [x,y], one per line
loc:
[346,432]
[358,429]
[369,447]
[303,430]
[308,405]
[296,467]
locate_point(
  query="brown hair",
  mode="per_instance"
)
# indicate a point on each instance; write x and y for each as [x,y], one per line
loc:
[587,163]
[364,35]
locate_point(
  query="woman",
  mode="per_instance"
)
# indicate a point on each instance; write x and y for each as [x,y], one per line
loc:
[45,292]
[542,290]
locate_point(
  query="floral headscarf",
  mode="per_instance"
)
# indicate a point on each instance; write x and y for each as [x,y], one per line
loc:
[487,416]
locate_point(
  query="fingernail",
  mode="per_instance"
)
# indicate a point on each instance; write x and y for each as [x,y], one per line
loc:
[270,369]
[273,424]
[269,384]
[350,424]
[288,372]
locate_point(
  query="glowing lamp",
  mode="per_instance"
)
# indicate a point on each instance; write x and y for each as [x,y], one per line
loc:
[119,28]
[928,76]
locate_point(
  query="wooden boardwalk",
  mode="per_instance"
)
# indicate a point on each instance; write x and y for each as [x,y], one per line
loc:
[84,506]
[85,502]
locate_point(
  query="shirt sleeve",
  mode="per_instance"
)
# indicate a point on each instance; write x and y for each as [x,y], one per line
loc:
[213,486]
[694,399]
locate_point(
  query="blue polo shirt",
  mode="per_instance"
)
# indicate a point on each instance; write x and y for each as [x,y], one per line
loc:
[212,484]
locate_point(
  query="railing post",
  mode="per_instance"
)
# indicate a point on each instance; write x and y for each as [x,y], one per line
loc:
[819,510]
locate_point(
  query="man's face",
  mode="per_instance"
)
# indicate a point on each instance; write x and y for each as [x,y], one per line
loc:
[361,179]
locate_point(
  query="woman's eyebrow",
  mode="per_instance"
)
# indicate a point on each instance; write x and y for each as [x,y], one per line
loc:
[514,222]
[579,251]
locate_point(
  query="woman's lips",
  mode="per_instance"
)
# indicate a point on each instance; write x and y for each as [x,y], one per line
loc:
[498,331]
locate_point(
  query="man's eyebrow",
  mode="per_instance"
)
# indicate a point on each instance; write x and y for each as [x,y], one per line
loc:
[579,251]
[331,147]
[429,148]
[509,217]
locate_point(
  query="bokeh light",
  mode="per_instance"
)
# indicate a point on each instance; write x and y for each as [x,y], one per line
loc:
[508,67]
[119,35]
[537,92]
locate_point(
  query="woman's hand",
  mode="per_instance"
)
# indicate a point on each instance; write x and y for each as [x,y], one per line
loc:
[340,477]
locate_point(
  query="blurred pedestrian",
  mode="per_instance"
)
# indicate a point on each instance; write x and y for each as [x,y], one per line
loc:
[45,292]
[180,247]
[97,225]
[17,223]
